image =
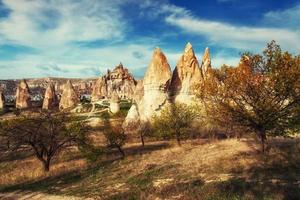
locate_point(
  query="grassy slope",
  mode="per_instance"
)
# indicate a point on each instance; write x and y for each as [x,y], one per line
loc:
[227,169]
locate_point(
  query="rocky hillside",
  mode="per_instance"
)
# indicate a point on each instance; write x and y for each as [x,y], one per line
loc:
[39,85]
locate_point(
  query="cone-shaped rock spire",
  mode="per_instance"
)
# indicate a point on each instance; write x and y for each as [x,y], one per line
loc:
[2,100]
[23,99]
[50,98]
[99,89]
[206,62]
[186,74]
[69,97]
[158,73]
[155,85]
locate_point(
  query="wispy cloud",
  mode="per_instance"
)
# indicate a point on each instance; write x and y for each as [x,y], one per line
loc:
[240,37]
[83,38]
[284,18]
[54,23]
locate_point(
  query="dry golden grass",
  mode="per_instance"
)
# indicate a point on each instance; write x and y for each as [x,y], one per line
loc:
[28,169]
[200,169]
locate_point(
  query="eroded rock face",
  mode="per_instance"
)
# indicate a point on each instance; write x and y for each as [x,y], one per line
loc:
[138,91]
[186,75]
[132,120]
[50,99]
[100,89]
[23,99]
[2,100]
[69,97]
[156,82]
[114,106]
[206,63]
[119,80]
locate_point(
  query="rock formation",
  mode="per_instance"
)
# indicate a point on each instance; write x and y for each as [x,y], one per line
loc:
[119,80]
[132,120]
[50,99]
[156,82]
[99,89]
[206,62]
[186,75]
[69,97]
[2,100]
[138,91]
[23,99]
[114,105]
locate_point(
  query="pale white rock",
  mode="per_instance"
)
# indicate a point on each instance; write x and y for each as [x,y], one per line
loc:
[69,98]
[186,75]
[132,120]
[23,99]
[206,62]
[2,100]
[156,82]
[114,105]
[99,89]
[50,99]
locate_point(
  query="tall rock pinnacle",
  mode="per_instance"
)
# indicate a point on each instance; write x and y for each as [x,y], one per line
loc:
[206,62]
[186,74]
[69,97]
[23,99]
[154,94]
[158,73]
[2,100]
[50,98]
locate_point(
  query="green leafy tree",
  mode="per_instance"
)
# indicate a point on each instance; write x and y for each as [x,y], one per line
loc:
[174,121]
[262,94]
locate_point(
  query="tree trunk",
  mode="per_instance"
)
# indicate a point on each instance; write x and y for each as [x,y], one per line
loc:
[142,140]
[121,151]
[178,139]
[263,139]
[46,165]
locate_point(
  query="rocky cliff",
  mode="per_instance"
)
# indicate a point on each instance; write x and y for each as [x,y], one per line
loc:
[119,80]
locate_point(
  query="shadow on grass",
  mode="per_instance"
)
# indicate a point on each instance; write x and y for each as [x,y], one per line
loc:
[58,184]
[8,156]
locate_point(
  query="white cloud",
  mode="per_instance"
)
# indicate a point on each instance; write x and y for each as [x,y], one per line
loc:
[240,37]
[285,18]
[54,23]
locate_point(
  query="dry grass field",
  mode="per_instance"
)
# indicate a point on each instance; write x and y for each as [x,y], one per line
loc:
[200,169]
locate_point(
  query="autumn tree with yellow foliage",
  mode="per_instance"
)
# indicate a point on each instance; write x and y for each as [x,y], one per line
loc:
[262,94]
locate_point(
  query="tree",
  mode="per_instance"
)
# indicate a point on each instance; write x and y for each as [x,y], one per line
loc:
[45,133]
[262,94]
[174,121]
[142,129]
[115,136]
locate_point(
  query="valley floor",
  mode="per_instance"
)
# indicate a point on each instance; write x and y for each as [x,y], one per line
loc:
[200,169]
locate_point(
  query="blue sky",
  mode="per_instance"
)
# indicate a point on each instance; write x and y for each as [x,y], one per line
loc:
[83,38]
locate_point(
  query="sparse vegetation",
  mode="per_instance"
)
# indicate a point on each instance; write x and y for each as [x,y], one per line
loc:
[46,134]
[115,136]
[259,96]
[174,121]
